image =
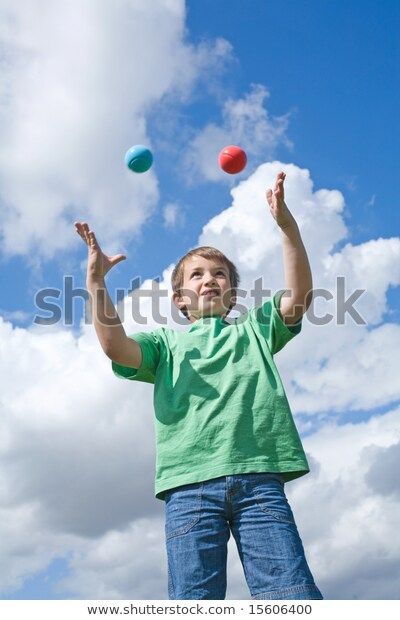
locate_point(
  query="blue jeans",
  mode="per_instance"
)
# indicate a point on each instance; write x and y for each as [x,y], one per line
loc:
[199,519]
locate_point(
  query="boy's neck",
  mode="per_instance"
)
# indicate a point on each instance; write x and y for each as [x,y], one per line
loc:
[193,319]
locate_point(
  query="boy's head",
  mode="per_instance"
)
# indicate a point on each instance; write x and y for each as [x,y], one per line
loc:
[200,270]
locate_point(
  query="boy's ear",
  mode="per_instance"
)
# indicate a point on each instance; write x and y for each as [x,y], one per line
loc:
[177,299]
[179,303]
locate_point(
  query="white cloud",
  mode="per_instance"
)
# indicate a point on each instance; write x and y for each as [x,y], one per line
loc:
[129,563]
[382,476]
[352,538]
[15,315]
[78,80]
[27,545]
[173,216]
[246,123]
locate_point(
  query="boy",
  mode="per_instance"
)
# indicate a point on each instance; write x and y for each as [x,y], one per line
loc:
[226,439]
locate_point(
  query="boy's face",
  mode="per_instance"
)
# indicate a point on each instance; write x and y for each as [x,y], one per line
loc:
[199,276]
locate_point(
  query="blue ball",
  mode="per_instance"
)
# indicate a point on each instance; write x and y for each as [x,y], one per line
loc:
[138,158]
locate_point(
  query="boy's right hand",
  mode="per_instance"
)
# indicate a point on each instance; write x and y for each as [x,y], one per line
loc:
[98,263]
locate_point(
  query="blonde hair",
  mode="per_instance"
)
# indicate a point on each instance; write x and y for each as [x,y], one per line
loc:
[210,253]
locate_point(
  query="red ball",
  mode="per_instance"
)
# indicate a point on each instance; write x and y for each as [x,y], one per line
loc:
[232,159]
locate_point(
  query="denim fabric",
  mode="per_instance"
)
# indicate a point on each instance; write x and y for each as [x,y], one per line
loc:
[199,518]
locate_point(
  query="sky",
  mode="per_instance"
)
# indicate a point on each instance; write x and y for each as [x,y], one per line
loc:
[307,87]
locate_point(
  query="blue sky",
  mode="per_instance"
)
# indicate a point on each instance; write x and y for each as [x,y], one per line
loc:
[329,71]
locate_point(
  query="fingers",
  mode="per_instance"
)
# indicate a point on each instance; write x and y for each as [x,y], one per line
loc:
[92,240]
[82,229]
[87,235]
[279,181]
[279,191]
[116,259]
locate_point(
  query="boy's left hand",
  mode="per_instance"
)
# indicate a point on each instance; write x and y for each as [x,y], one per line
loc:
[277,204]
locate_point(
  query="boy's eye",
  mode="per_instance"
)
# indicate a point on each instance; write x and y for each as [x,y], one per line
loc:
[197,272]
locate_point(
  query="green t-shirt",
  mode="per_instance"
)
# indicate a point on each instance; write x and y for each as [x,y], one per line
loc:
[220,406]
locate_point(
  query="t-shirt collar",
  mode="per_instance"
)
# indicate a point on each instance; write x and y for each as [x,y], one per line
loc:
[205,322]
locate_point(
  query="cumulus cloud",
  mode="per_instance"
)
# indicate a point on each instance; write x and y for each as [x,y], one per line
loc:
[382,474]
[352,541]
[245,121]
[78,80]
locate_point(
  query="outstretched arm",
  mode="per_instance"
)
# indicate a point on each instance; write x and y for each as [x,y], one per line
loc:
[298,277]
[110,332]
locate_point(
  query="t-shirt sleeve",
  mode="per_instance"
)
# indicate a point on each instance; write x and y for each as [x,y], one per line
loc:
[150,344]
[271,324]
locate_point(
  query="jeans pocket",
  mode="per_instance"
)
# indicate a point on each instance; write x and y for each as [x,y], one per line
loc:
[268,491]
[182,508]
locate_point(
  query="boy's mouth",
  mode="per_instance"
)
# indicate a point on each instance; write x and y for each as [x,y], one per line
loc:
[210,293]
